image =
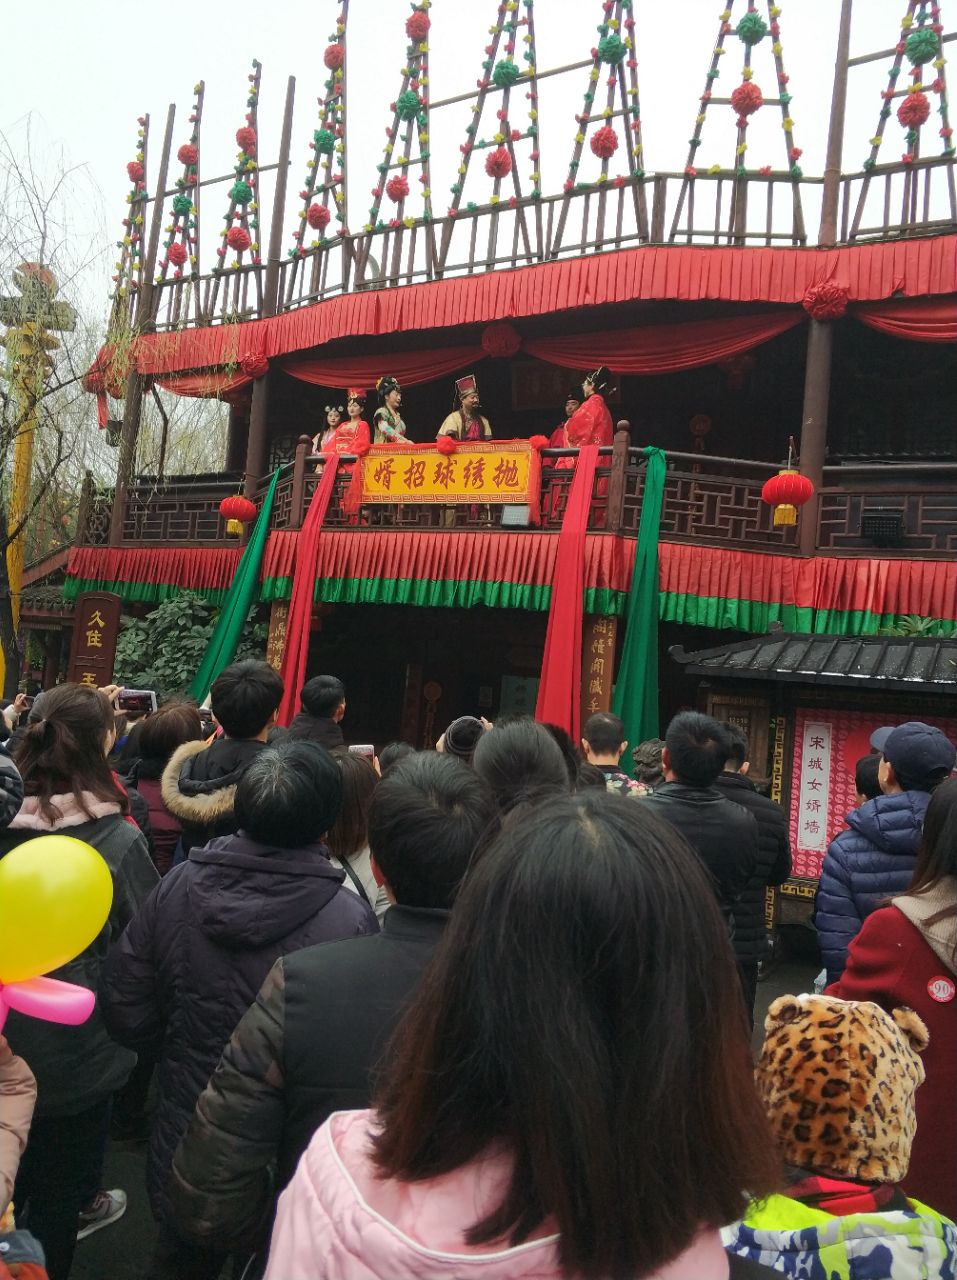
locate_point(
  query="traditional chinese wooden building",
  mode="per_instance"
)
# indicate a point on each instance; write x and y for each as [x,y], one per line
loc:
[739,301]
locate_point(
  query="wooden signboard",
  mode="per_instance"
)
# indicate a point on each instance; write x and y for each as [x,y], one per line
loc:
[95,633]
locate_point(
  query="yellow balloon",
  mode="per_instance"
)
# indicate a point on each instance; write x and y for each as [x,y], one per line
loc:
[55,896]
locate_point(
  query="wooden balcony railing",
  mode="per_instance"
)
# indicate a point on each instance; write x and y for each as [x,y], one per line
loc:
[897,509]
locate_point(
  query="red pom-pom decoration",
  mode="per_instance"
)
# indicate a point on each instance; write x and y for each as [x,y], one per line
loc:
[188,153]
[135,170]
[498,163]
[501,340]
[318,216]
[334,56]
[255,365]
[417,25]
[177,254]
[604,142]
[538,443]
[238,238]
[747,98]
[446,444]
[246,139]
[397,188]
[913,111]
[826,300]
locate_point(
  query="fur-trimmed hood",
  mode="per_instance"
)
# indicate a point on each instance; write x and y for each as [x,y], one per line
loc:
[199,783]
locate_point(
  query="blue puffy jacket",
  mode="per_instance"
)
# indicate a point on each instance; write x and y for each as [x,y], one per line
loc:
[864,866]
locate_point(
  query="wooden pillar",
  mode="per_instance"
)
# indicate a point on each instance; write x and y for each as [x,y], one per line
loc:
[599,638]
[256,444]
[274,258]
[827,235]
[813,447]
[276,638]
[616,480]
[237,434]
[144,316]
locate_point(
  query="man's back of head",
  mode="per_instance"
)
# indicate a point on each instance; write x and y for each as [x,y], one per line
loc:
[289,796]
[246,697]
[323,696]
[427,819]
[696,749]
[738,757]
[603,738]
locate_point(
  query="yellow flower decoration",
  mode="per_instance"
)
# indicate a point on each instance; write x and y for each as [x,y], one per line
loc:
[388,148]
[462,169]
[601,177]
[715,168]
[940,62]
[402,160]
[533,115]
[699,118]
[724,15]
[426,192]
[302,215]
[498,137]
[314,244]
[606,114]
[493,200]
[579,137]
[409,222]
[593,74]
[310,164]
[777,48]
[747,73]
[252,208]
[876,140]
[787,124]
[718,51]
[775,11]
[127,240]
[367,227]
[740,148]
[536,176]
[907,22]
[423,137]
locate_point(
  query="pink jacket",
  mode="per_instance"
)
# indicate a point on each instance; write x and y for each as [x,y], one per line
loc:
[337,1220]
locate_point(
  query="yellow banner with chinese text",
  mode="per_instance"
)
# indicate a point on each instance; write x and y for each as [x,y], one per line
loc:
[493,472]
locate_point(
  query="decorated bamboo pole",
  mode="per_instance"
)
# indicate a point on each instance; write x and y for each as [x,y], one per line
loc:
[827,236]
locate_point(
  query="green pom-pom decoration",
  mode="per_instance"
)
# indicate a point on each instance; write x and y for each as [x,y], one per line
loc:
[325,140]
[713,74]
[505,74]
[241,192]
[921,46]
[869,164]
[796,171]
[611,49]
[182,204]
[408,105]
[751,29]
[785,99]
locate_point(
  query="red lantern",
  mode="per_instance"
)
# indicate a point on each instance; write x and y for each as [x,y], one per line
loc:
[318,216]
[604,142]
[238,239]
[785,492]
[334,56]
[187,154]
[254,365]
[501,339]
[237,511]
[826,300]
[177,254]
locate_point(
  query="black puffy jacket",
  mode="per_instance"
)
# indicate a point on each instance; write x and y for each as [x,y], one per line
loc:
[774,865]
[190,964]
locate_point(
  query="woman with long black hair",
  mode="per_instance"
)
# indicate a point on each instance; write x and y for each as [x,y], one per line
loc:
[569,1095]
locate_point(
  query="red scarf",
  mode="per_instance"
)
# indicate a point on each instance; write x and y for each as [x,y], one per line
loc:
[841,1196]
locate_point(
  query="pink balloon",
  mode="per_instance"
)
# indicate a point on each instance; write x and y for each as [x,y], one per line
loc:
[49,999]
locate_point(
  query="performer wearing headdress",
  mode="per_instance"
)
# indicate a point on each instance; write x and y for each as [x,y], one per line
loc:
[466,422]
[389,427]
[589,424]
[559,437]
[354,433]
[333,417]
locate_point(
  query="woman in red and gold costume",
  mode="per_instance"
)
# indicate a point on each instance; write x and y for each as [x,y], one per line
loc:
[353,434]
[589,424]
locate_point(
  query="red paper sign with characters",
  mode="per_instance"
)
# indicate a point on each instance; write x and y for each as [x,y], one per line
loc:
[827,746]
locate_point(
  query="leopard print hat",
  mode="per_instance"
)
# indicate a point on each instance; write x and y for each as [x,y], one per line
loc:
[838,1079]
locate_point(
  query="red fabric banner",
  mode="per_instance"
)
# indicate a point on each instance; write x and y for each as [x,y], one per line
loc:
[916,319]
[663,348]
[295,651]
[559,693]
[410,367]
[871,272]
[189,568]
[207,384]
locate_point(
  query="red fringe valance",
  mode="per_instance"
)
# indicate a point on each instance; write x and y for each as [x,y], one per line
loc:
[871,272]
[189,568]
[410,367]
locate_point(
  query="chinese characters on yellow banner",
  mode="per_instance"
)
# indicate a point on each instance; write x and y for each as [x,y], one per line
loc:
[493,472]
[598,663]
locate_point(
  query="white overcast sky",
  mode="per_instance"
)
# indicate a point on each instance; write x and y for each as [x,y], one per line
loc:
[86,71]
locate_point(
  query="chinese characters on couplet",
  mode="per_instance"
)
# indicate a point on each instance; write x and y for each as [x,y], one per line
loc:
[813,795]
[598,660]
[94,638]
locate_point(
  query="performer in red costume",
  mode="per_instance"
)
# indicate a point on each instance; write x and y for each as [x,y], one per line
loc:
[589,424]
[354,433]
[559,437]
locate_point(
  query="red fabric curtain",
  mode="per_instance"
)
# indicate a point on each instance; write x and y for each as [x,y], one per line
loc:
[685,272]
[663,348]
[410,367]
[559,693]
[916,319]
[296,648]
[207,384]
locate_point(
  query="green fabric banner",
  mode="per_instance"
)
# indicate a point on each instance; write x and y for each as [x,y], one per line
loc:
[636,689]
[242,595]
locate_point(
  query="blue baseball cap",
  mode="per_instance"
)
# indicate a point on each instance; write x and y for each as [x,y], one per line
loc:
[917,752]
